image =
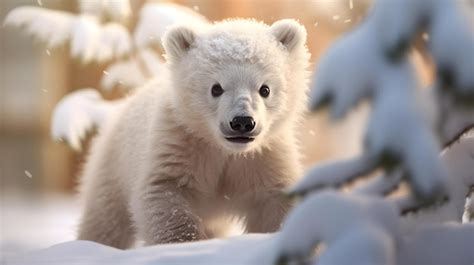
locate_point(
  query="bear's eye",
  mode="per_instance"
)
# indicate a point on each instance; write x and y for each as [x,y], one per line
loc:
[216,90]
[264,91]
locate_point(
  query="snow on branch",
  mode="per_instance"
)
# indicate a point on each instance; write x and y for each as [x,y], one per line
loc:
[458,159]
[332,174]
[381,185]
[453,55]
[352,229]
[398,136]
[359,229]
[79,113]
[51,27]
[155,18]
[117,10]
[453,118]
[356,228]
[99,33]
[133,72]
[90,40]
[94,41]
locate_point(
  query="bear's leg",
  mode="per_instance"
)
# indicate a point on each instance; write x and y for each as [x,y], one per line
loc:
[106,219]
[163,215]
[266,211]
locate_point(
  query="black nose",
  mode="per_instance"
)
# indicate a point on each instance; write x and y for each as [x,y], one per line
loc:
[242,124]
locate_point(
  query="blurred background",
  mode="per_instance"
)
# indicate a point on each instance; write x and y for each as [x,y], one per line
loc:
[39,176]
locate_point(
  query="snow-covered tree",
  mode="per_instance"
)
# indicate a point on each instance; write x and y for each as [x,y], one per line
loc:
[99,33]
[372,63]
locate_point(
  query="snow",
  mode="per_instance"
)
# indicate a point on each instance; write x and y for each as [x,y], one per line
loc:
[344,56]
[339,227]
[451,118]
[453,55]
[394,35]
[90,7]
[153,63]
[114,42]
[84,38]
[332,174]
[380,185]
[28,174]
[366,229]
[90,40]
[210,252]
[79,113]
[327,9]
[458,159]
[155,18]
[439,245]
[399,139]
[398,135]
[133,72]
[124,73]
[468,215]
[117,10]
[359,229]
[51,27]
[30,222]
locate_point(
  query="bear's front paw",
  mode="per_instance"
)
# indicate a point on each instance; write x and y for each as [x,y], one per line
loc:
[179,226]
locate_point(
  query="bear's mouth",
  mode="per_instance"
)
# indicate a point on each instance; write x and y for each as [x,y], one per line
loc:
[240,139]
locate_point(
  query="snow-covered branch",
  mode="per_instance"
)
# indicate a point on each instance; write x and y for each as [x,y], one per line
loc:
[398,137]
[78,113]
[363,227]
[360,229]
[99,33]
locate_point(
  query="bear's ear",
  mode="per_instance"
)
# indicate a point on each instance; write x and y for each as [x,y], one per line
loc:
[289,32]
[178,40]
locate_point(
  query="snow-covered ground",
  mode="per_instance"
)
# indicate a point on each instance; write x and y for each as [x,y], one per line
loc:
[41,230]
[30,222]
[246,249]
[447,240]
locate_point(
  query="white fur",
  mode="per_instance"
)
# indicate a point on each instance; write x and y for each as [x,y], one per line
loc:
[161,169]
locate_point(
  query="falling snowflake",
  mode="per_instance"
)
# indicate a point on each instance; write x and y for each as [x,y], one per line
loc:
[28,174]
[425,36]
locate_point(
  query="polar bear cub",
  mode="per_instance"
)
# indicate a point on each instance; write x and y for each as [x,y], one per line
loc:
[213,136]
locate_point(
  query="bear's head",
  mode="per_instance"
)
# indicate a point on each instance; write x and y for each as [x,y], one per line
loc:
[238,83]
